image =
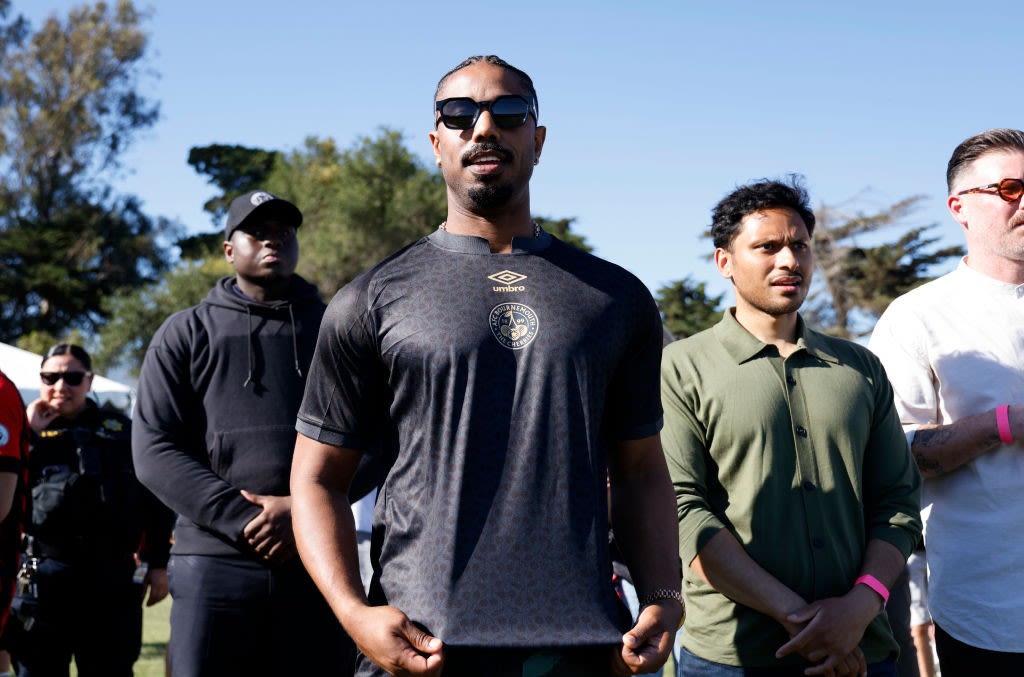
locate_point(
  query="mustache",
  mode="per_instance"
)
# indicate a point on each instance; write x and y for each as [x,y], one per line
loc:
[1017,219]
[487,147]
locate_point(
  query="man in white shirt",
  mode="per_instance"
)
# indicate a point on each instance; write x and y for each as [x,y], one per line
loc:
[954,351]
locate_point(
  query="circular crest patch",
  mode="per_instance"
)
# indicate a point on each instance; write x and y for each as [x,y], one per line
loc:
[513,324]
[5,435]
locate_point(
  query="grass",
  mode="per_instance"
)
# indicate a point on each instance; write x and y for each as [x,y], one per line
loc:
[156,629]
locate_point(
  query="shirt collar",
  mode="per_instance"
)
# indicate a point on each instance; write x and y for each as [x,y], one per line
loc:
[984,283]
[471,244]
[742,345]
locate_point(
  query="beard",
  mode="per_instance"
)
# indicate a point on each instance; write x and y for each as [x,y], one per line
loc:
[489,198]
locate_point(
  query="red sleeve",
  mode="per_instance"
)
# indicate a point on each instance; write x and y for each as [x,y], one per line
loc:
[13,426]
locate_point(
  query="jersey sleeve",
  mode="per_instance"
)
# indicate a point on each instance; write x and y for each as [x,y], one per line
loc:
[346,385]
[634,402]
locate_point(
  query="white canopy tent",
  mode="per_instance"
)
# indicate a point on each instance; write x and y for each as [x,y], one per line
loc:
[22,367]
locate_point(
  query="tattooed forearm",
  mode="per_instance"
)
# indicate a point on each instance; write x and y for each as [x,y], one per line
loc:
[942,449]
[928,438]
[929,467]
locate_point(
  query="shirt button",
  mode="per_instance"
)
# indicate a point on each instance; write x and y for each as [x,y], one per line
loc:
[818,543]
[808,486]
[801,431]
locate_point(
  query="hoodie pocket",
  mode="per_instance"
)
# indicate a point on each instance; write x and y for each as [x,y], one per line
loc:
[258,458]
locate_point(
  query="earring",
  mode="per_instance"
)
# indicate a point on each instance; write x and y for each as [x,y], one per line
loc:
[536,161]
[437,161]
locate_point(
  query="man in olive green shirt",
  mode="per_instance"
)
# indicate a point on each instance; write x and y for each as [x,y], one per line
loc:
[798,500]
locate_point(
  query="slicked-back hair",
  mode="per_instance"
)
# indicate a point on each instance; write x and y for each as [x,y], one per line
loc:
[524,79]
[969,150]
[77,352]
[729,213]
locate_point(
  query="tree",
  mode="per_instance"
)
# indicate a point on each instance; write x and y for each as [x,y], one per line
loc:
[358,205]
[137,314]
[235,170]
[12,33]
[69,108]
[686,308]
[855,283]
[562,228]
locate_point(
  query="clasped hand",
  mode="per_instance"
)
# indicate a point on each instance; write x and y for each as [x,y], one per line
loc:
[270,532]
[646,647]
[828,633]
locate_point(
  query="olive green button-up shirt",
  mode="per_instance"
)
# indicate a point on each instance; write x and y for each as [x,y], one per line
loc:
[802,459]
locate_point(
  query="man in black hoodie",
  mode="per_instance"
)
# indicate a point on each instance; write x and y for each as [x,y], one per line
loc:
[213,436]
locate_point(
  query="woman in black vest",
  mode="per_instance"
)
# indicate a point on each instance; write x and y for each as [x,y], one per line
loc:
[96,539]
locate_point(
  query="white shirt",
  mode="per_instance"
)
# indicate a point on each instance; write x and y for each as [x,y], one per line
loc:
[362,512]
[954,348]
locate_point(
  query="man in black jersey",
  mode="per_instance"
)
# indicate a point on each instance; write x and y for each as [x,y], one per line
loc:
[500,376]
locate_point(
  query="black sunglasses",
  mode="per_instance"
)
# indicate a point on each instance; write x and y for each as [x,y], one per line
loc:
[508,110]
[1008,189]
[71,378]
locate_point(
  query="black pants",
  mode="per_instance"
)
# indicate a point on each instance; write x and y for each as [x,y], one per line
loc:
[898,611]
[957,659]
[239,618]
[90,611]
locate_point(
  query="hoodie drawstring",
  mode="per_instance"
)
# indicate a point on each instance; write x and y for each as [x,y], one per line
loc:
[248,342]
[295,341]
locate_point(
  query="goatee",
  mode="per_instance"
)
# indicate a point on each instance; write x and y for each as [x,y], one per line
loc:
[488,198]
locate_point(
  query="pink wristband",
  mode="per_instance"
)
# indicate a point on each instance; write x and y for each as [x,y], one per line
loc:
[876,585]
[1003,423]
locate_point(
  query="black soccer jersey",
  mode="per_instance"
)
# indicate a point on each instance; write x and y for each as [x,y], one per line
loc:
[492,383]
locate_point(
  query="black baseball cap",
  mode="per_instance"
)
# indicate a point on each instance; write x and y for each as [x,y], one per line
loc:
[265,204]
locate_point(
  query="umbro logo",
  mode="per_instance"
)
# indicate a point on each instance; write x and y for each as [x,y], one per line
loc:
[508,280]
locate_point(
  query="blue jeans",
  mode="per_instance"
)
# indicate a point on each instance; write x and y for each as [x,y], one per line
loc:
[689,665]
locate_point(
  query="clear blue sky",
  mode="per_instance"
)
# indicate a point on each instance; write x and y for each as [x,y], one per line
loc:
[654,110]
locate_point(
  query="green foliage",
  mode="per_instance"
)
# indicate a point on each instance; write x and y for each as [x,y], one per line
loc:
[12,33]
[853,283]
[562,228]
[39,342]
[70,107]
[201,246]
[358,205]
[233,169]
[137,314]
[686,307]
